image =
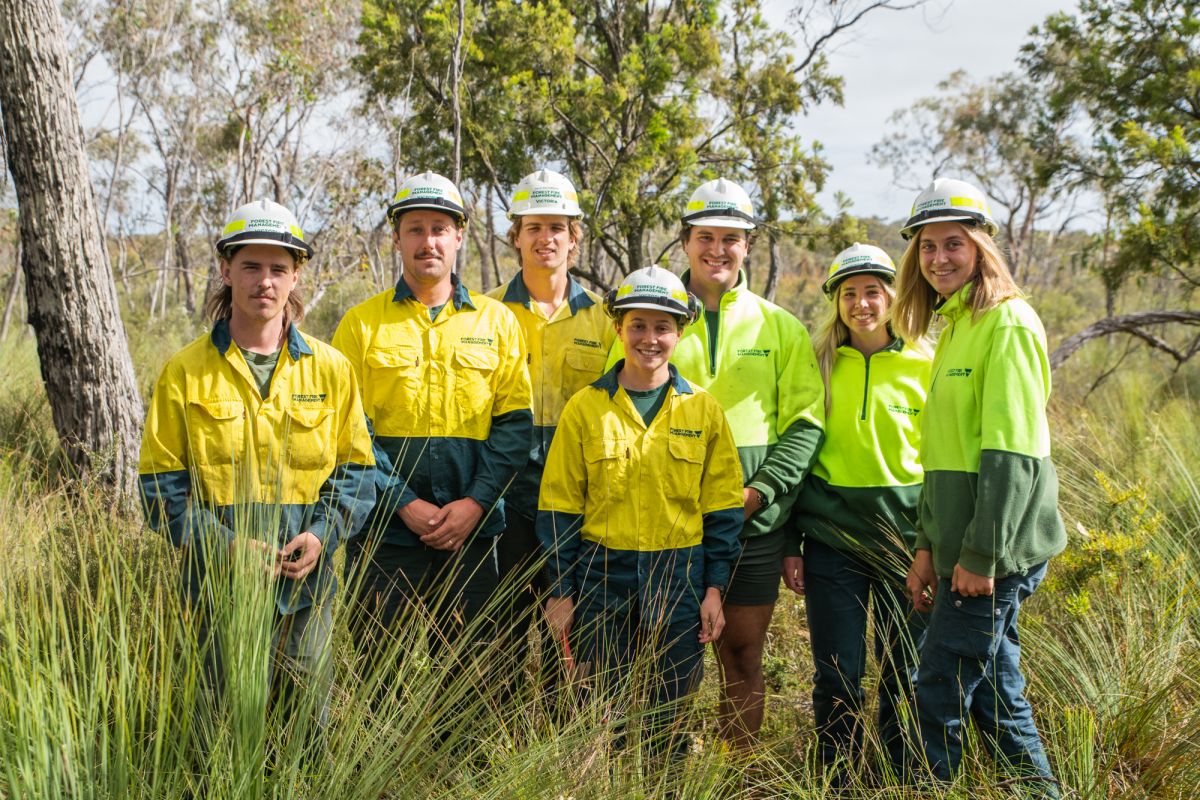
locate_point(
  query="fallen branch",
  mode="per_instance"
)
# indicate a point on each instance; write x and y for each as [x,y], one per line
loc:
[1136,325]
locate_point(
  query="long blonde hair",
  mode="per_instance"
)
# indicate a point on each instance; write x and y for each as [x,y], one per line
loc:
[915,299]
[832,332]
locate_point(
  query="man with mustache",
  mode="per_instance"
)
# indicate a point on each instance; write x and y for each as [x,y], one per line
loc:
[446,387]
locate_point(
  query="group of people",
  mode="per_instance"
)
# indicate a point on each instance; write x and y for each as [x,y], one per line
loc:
[639,471]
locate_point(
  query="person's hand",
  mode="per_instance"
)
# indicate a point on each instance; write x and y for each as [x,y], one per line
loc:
[922,581]
[560,614]
[793,573]
[269,555]
[712,617]
[299,556]
[418,516]
[453,524]
[750,504]
[968,584]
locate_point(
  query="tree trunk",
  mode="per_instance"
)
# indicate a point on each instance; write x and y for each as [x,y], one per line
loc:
[13,288]
[72,303]
[772,267]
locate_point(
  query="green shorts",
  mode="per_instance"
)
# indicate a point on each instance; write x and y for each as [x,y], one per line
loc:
[756,575]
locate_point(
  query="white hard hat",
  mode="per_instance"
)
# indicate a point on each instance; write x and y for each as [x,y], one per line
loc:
[652,288]
[859,259]
[544,192]
[263,222]
[721,204]
[950,200]
[431,191]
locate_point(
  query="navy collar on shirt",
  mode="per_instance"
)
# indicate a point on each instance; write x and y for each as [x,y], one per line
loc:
[222,338]
[577,298]
[460,294]
[608,381]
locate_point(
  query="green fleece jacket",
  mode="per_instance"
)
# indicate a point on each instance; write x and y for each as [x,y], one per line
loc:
[990,499]
[863,491]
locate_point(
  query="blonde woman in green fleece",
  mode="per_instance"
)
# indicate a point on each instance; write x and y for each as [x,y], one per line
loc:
[856,514]
[989,520]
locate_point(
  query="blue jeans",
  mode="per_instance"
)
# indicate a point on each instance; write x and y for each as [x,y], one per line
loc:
[971,665]
[840,588]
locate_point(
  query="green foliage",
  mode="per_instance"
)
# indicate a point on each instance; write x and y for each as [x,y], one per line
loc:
[1132,66]
[637,102]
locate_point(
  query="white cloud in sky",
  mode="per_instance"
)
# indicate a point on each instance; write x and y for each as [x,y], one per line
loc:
[893,58]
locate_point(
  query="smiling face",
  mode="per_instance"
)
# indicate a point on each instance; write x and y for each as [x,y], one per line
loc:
[544,241]
[649,338]
[863,303]
[715,256]
[261,278]
[428,243]
[948,256]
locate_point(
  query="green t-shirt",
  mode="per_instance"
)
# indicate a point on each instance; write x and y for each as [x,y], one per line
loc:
[648,402]
[434,311]
[262,367]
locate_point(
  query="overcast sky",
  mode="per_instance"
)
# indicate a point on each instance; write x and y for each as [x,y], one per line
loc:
[897,57]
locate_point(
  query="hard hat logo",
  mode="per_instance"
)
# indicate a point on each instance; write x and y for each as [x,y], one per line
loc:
[950,200]
[653,288]
[428,191]
[858,259]
[544,192]
[263,222]
[720,204]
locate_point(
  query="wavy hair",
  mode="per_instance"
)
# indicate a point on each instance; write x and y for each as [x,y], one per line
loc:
[916,299]
[218,305]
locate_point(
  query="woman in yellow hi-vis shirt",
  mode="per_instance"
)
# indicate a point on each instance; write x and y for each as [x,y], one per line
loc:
[856,514]
[640,509]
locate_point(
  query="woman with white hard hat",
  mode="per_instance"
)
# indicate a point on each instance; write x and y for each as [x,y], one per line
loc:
[988,516]
[639,512]
[855,518]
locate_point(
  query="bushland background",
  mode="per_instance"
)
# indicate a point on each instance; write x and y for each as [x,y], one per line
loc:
[1088,149]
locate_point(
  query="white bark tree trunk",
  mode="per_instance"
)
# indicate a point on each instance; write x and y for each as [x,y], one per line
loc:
[72,302]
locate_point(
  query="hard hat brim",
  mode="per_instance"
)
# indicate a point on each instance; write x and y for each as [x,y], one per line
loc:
[286,241]
[834,281]
[722,218]
[929,217]
[548,212]
[674,309]
[428,204]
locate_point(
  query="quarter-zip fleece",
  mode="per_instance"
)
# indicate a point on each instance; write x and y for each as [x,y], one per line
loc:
[765,376]
[863,491]
[990,499]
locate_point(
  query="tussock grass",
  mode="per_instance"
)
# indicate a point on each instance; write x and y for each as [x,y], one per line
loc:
[102,693]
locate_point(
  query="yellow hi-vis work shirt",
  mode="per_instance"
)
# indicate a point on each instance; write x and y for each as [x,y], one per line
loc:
[566,352]
[448,399]
[219,459]
[765,375]
[635,489]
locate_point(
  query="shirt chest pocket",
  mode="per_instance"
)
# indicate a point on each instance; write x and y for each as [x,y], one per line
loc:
[216,436]
[309,439]
[474,368]
[392,377]
[580,367]
[682,481]
[607,468]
